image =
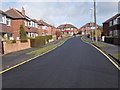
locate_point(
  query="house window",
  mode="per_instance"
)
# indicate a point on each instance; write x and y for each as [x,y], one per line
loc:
[1,19]
[110,23]
[67,28]
[115,33]
[36,26]
[8,22]
[32,24]
[44,27]
[115,21]
[110,34]
[25,22]
[118,21]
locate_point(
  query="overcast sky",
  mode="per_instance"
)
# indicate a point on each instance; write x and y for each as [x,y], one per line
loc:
[58,12]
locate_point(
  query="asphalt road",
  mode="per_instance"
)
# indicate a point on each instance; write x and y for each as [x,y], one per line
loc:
[75,64]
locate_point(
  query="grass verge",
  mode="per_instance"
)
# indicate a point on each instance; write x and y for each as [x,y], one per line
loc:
[117,56]
[85,40]
[95,43]
[49,47]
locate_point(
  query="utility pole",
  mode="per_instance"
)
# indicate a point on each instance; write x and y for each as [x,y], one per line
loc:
[96,36]
[92,12]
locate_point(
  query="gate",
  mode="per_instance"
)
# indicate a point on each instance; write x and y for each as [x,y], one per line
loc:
[1,47]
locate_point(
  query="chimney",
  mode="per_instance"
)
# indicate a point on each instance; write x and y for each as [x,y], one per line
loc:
[23,11]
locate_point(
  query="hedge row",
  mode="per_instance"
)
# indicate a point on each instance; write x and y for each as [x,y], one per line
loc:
[45,37]
[40,40]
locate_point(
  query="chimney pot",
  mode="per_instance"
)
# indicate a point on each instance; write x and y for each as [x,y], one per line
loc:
[23,11]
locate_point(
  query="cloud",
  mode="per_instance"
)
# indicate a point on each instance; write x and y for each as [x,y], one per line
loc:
[56,13]
[59,0]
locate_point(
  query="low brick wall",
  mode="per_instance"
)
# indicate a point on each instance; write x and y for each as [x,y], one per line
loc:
[112,40]
[12,47]
[116,41]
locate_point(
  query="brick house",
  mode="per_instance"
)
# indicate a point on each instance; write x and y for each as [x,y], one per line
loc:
[111,27]
[5,26]
[67,29]
[87,28]
[45,28]
[19,18]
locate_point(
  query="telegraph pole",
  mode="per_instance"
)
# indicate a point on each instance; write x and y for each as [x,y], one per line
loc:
[92,12]
[96,36]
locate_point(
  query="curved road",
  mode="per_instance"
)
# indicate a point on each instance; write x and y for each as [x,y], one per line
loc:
[75,64]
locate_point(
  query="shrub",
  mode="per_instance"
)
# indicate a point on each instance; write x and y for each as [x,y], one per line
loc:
[37,42]
[11,41]
[30,37]
[24,40]
[45,37]
[49,37]
[22,32]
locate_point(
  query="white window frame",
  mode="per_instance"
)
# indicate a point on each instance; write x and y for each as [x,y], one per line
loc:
[3,19]
[110,23]
[44,27]
[115,21]
[25,22]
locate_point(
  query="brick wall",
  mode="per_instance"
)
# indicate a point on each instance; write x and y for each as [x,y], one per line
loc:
[12,47]
[106,29]
[40,30]
[116,41]
[49,31]
[15,27]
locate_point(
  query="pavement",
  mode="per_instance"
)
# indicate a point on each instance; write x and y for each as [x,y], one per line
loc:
[14,58]
[110,49]
[75,64]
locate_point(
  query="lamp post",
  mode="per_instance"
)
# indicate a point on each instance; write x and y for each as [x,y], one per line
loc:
[96,36]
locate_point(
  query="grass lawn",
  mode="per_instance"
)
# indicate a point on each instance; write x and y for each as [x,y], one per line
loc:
[117,56]
[49,47]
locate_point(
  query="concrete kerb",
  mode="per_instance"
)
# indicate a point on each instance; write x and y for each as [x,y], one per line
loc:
[111,59]
[21,63]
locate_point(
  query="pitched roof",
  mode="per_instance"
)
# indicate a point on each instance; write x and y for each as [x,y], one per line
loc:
[66,26]
[89,25]
[115,16]
[14,13]
[3,13]
[45,24]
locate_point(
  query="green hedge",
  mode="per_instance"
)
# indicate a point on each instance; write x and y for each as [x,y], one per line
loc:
[37,42]
[11,41]
[24,40]
[40,40]
[49,36]
[45,37]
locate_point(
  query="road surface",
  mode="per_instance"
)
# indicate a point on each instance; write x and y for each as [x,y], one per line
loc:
[75,64]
